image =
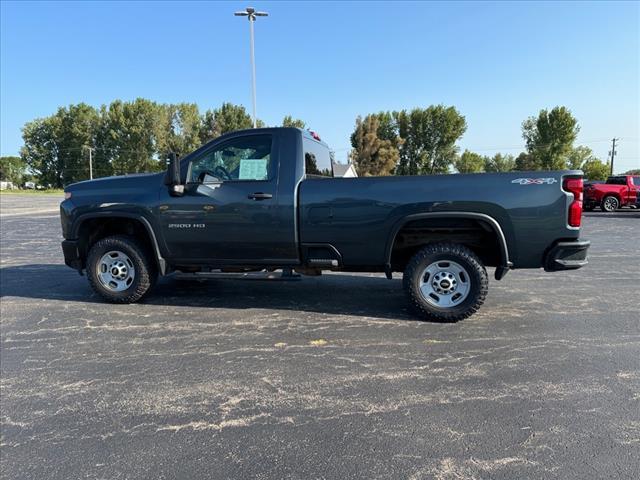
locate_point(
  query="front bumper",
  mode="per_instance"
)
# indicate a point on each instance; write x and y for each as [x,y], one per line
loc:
[72,254]
[566,255]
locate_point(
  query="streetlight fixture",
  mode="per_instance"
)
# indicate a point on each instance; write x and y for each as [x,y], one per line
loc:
[251,15]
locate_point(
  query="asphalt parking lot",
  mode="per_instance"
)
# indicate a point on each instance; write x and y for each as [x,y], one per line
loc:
[328,377]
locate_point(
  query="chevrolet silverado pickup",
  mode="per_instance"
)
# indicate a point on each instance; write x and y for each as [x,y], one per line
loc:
[618,191]
[266,199]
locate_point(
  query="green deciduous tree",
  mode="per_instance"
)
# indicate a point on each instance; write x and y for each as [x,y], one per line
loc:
[54,147]
[180,131]
[549,137]
[76,131]
[582,158]
[469,162]
[130,137]
[429,139]
[40,150]
[577,157]
[124,137]
[527,162]
[12,169]
[499,163]
[227,118]
[289,121]
[595,169]
[208,128]
[375,146]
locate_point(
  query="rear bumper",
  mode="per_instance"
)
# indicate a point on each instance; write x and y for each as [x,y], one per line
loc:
[566,255]
[72,254]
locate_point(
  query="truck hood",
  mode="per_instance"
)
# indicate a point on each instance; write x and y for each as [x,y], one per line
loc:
[136,181]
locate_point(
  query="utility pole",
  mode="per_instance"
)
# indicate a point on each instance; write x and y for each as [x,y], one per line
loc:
[90,161]
[613,152]
[251,15]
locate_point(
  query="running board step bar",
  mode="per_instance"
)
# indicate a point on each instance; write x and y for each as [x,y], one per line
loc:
[322,262]
[286,275]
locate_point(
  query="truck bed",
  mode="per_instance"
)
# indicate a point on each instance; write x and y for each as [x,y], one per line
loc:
[356,215]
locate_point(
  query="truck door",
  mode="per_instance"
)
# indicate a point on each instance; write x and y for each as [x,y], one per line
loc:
[635,181]
[230,212]
[631,191]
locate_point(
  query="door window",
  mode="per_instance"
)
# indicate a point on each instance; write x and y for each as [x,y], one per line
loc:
[244,158]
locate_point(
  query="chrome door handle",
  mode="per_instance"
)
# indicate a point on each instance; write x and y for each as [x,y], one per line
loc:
[260,196]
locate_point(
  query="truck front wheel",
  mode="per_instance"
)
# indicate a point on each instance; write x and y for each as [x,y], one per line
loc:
[610,204]
[445,282]
[119,269]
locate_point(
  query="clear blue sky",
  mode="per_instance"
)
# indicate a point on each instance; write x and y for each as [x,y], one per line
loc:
[326,62]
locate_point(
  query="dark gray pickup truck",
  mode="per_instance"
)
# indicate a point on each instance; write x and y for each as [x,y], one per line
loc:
[266,199]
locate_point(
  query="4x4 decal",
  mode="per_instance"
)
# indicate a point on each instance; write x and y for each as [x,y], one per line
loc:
[534,181]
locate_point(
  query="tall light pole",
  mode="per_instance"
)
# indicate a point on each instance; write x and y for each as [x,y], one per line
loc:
[90,161]
[251,15]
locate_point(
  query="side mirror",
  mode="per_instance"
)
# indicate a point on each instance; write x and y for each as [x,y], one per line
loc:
[172,179]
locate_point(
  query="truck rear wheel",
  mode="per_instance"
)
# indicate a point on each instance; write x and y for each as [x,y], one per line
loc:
[119,269]
[610,204]
[445,282]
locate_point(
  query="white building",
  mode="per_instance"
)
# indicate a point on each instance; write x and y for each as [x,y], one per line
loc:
[344,170]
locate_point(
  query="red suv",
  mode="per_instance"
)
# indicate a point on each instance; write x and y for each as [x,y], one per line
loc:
[618,191]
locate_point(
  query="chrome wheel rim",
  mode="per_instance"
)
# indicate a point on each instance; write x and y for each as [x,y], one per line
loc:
[445,284]
[116,271]
[610,204]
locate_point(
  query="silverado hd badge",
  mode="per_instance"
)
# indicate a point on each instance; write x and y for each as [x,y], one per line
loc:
[534,181]
[186,225]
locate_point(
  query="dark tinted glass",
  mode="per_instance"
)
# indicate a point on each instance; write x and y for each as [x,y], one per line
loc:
[317,161]
[617,180]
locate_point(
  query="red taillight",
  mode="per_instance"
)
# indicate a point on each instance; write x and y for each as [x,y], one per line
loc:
[574,186]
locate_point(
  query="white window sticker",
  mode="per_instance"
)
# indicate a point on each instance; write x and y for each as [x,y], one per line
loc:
[253,169]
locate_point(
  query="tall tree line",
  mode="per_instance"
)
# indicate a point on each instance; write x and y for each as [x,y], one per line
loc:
[423,141]
[124,137]
[420,141]
[136,136]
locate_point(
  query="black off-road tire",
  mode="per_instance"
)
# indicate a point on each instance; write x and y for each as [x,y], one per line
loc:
[145,270]
[416,268]
[610,204]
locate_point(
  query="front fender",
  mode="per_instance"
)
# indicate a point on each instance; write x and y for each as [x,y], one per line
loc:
[80,219]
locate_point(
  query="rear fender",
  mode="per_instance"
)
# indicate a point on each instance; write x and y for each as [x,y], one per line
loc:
[501,270]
